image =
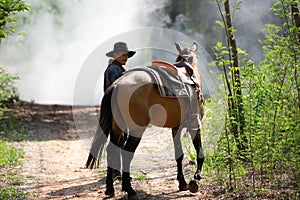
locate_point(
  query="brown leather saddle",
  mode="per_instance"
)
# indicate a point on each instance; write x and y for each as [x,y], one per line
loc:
[172,81]
[179,71]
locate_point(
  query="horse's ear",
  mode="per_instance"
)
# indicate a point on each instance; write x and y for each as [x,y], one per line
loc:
[195,47]
[178,47]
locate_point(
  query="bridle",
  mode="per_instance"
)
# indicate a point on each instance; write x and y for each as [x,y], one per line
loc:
[185,59]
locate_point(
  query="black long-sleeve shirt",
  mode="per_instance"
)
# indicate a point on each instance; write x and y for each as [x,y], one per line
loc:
[112,73]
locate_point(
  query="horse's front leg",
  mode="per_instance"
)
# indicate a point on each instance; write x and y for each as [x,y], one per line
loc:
[200,155]
[179,157]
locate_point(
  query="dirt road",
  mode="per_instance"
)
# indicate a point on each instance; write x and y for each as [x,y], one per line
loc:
[57,147]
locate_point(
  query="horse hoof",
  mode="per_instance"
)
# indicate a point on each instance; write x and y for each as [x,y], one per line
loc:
[184,188]
[133,197]
[197,176]
[193,186]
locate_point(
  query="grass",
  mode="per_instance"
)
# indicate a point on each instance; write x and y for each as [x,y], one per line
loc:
[140,177]
[101,170]
[12,193]
[13,178]
[10,158]
[10,128]
[10,155]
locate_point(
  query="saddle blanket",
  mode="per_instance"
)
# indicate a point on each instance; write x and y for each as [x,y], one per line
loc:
[169,83]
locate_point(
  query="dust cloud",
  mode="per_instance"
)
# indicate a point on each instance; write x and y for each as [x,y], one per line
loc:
[61,35]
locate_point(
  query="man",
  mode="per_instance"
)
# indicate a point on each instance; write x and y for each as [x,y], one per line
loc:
[114,70]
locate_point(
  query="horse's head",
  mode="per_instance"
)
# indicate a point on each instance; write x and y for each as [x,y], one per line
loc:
[187,57]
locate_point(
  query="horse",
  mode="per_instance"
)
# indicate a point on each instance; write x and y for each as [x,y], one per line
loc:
[132,103]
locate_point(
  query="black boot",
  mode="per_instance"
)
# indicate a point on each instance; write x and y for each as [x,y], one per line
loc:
[126,186]
[110,191]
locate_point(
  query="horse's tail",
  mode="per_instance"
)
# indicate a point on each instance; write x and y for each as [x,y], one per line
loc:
[103,130]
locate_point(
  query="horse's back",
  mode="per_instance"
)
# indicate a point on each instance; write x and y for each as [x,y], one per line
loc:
[140,102]
[132,97]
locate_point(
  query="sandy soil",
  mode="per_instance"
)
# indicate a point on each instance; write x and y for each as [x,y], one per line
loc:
[57,144]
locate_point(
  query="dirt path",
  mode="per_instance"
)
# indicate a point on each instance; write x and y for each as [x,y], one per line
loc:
[56,151]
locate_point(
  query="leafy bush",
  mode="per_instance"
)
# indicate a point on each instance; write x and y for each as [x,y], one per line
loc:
[10,155]
[8,17]
[8,92]
[271,106]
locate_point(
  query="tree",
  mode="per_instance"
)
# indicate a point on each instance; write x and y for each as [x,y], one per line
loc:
[8,15]
[271,108]
[236,112]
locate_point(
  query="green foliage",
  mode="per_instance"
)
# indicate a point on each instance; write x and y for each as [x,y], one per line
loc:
[12,194]
[10,129]
[271,101]
[9,126]
[8,15]
[8,92]
[13,179]
[10,156]
[140,177]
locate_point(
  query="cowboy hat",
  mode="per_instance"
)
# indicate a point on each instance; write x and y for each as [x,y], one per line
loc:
[120,47]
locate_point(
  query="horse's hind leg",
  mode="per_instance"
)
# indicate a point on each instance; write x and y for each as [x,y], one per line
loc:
[113,159]
[179,157]
[127,156]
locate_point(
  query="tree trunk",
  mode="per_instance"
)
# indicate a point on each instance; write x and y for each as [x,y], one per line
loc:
[238,110]
[296,17]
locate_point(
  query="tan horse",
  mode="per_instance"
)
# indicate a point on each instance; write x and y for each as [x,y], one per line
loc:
[131,104]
